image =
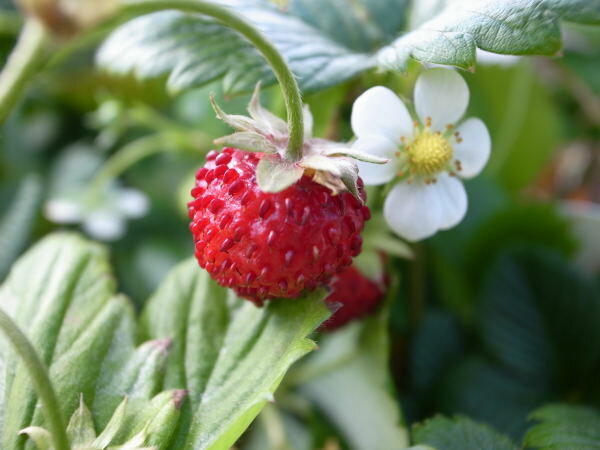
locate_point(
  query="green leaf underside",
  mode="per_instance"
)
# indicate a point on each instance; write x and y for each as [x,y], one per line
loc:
[62,294]
[565,427]
[518,27]
[326,46]
[229,354]
[459,433]
[193,50]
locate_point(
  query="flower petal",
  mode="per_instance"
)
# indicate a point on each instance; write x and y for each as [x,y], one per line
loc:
[474,150]
[453,200]
[61,210]
[413,211]
[378,111]
[105,225]
[375,174]
[132,203]
[442,95]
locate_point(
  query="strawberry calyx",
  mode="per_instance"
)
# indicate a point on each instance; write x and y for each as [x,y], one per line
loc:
[328,163]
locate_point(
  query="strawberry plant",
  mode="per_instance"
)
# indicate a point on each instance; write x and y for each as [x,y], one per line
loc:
[299,224]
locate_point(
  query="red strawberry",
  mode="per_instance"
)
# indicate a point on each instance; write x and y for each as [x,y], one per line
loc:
[354,295]
[267,245]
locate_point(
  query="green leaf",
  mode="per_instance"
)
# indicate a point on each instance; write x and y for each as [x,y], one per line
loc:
[564,427]
[539,316]
[16,223]
[138,377]
[229,354]
[81,426]
[468,388]
[192,50]
[152,423]
[437,345]
[115,424]
[348,380]
[516,27]
[275,175]
[459,433]
[61,294]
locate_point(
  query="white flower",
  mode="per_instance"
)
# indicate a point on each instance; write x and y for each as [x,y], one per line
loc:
[427,157]
[102,211]
[103,217]
[495,59]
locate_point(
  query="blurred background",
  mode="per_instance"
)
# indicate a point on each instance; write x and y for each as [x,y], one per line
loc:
[491,319]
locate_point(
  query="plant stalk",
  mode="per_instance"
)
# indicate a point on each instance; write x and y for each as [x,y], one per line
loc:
[41,381]
[229,18]
[23,63]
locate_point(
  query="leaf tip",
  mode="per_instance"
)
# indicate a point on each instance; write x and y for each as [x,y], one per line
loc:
[179,397]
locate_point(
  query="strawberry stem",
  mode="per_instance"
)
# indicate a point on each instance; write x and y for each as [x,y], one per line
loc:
[229,18]
[39,377]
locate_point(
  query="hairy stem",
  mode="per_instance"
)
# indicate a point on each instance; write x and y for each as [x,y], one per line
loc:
[23,63]
[39,377]
[285,77]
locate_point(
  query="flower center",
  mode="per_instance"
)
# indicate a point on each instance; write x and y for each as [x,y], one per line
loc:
[429,153]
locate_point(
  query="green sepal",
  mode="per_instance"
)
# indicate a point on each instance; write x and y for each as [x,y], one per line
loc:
[247,140]
[113,427]
[274,174]
[237,122]
[335,150]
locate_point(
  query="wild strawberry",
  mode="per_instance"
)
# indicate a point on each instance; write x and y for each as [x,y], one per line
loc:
[283,219]
[354,295]
[267,245]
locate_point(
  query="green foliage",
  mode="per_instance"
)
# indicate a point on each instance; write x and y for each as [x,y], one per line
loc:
[525,123]
[16,224]
[193,51]
[530,305]
[328,45]
[459,433]
[537,317]
[229,355]
[564,427]
[514,27]
[437,345]
[512,227]
[348,381]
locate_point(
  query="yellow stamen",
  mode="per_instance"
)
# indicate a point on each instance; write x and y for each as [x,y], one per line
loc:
[429,154]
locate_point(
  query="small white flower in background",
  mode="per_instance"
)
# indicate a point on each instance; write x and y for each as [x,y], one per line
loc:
[427,156]
[103,215]
[104,218]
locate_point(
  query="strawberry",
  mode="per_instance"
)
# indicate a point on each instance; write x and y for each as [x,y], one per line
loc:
[354,295]
[266,245]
